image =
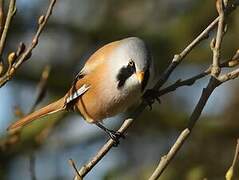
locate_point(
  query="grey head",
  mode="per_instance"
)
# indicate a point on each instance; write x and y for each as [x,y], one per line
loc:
[131,62]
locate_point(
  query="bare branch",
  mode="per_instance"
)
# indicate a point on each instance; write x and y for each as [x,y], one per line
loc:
[213,83]
[42,87]
[234,61]
[179,57]
[11,12]
[203,35]
[103,151]
[1,15]
[186,82]
[26,54]
[165,160]
[229,76]
[217,45]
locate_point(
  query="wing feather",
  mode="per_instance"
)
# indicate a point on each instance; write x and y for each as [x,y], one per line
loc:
[77,93]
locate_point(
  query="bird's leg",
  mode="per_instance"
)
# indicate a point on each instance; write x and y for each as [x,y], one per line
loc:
[150,96]
[114,135]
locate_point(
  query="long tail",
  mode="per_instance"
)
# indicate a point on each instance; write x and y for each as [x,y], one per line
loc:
[49,109]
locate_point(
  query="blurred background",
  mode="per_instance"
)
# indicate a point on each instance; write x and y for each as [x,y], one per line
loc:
[75,30]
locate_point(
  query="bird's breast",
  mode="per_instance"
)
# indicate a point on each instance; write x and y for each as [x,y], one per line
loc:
[104,99]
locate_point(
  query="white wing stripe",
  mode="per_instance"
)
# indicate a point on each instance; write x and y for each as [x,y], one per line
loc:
[78,93]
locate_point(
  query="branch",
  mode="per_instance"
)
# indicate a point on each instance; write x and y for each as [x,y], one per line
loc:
[102,152]
[1,15]
[230,171]
[213,83]
[41,87]
[203,35]
[179,57]
[232,62]
[163,78]
[166,159]
[229,76]
[11,12]
[216,44]
[16,59]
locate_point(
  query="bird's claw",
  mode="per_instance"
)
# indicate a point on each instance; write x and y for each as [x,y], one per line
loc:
[115,136]
[150,96]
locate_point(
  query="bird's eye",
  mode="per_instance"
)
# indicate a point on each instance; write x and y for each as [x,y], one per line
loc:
[131,63]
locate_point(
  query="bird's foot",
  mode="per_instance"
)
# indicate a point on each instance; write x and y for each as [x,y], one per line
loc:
[115,136]
[150,96]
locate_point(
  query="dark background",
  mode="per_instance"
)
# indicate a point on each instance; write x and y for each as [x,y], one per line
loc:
[75,30]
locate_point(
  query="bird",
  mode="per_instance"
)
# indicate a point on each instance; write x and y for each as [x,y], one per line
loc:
[111,80]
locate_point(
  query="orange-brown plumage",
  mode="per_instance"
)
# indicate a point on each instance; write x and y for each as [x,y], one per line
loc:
[101,94]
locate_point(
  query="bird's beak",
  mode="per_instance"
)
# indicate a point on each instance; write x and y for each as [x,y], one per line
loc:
[140,76]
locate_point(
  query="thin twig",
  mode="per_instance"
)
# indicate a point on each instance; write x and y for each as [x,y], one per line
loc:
[1,16]
[232,62]
[217,45]
[230,171]
[213,83]
[203,35]
[17,61]
[180,83]
[42,87]
[229,76]
[179,57]
[164,160]
[103,151]
[11,12]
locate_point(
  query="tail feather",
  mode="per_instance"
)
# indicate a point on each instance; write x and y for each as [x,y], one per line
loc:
[49,109]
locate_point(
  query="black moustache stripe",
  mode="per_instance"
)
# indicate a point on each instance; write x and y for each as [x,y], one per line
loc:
[124,74]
